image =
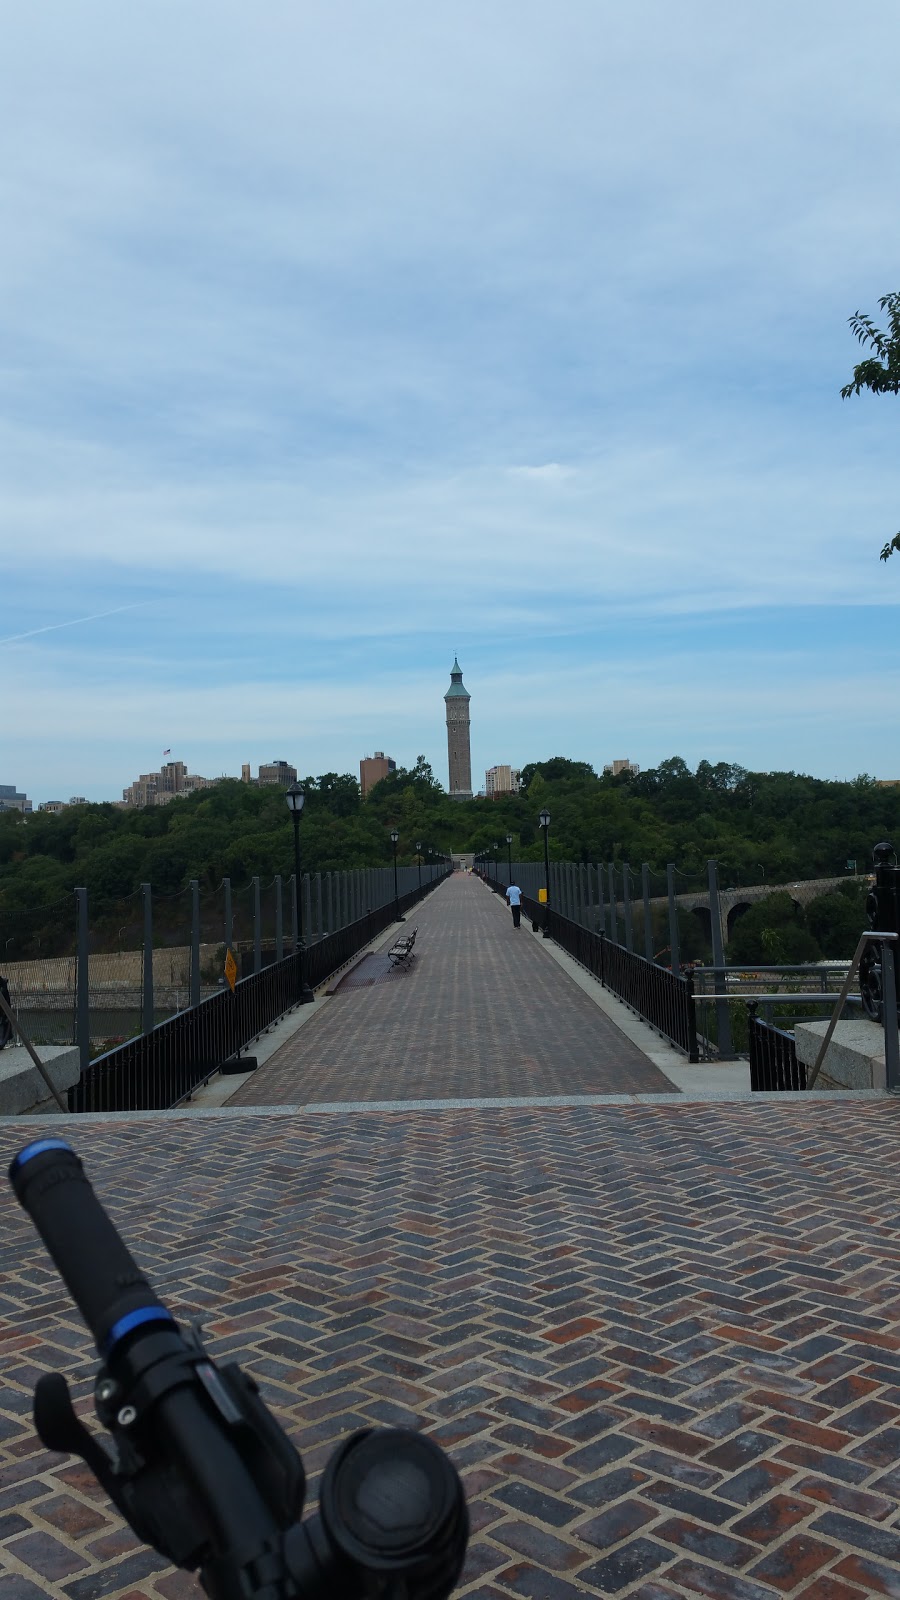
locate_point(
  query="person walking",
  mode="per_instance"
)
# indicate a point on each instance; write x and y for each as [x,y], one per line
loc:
[514,901]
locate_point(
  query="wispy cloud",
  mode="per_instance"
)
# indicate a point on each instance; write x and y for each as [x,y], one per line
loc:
[73,622]
[363,335]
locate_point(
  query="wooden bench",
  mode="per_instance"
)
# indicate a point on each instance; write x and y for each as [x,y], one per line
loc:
[400,953]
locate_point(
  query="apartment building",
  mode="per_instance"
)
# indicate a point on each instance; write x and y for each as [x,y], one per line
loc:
[11,799]
[501,780]
[373,768]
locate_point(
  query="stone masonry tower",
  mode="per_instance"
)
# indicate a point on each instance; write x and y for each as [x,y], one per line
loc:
[457,702]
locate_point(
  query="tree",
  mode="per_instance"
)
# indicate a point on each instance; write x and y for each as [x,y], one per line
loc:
[773,932]
[880,373]
[556,768]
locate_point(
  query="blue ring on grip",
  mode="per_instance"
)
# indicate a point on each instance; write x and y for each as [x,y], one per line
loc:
[132,1320]
[37,1149]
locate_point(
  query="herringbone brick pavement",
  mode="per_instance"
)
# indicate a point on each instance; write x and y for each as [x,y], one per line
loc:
[661,1341]
[481,1012]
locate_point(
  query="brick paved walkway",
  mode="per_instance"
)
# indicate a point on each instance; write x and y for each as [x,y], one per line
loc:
[482,1012]
[661,1341]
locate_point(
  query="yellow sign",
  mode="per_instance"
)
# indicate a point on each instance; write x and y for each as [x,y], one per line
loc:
[230,969]
[542,896]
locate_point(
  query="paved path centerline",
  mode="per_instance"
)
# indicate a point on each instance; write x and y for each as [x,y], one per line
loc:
[481,1013]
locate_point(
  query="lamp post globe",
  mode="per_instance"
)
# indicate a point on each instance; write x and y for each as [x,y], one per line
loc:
[296,798]
[395,837]
[544,821]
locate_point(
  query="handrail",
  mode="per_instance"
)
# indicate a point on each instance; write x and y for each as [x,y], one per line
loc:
[781,996]
[892,1069]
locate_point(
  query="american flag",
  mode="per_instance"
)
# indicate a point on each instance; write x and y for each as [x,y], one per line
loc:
[167,752]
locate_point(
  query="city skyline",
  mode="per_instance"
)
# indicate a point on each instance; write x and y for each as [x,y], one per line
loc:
[286,423]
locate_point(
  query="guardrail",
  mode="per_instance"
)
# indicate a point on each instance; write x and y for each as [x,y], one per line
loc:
[773,1058]
[157,1070]
[662,998]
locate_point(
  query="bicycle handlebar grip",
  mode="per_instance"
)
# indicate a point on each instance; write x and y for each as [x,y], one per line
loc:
[107,1286]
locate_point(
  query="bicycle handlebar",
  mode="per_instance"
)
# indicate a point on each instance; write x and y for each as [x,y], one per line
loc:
[202,1469]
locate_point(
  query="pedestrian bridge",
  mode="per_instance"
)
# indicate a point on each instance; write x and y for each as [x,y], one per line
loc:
[656,1327]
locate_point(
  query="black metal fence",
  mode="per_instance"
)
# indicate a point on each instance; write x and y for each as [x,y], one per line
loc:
[158,1069]
[773,1058]
[664,999]
[95,971]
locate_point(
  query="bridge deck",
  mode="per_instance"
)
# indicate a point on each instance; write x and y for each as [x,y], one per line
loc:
[481,1011]
[661,1340]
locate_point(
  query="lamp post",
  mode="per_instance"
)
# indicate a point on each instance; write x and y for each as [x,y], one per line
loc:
[394,841]
[419,856]
[295,799]
[544,820]
[509,858]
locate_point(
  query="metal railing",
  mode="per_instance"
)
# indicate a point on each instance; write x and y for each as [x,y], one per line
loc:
[773,1051]
[158,1069]
[662,998]
[773,1058]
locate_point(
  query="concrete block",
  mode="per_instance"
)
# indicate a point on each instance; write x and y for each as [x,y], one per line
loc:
[22,1089]
[855,1058]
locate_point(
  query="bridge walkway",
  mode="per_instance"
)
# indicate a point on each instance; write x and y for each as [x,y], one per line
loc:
[660,1339]
[482,1011]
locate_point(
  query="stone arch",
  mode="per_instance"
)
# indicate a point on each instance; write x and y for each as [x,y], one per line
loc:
[704,919]
[738,910]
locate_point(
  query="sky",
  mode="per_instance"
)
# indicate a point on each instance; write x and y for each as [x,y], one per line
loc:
[339,339]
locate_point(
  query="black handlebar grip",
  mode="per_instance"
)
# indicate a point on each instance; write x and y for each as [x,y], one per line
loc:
[108,1288]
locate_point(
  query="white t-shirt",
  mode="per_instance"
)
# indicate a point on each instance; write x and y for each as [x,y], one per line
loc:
[514,895]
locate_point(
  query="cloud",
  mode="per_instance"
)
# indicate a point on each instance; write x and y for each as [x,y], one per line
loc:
[551,472]
[351,335]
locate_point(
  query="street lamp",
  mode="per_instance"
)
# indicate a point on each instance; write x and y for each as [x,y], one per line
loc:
[544,820]
[509,857]
[295,799]
[394,841]
[419,855]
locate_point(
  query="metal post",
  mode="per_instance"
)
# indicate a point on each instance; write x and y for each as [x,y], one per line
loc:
[674,955]
[82,980]
[305,995]
[229,915]
[257,931]
[613,907]
[305,913]
[397,916]
[600,923]
[279,920]
[147,1008]
[889,1017]
[295,913]
[723,1018]
[195,942]
[589,903]
[648,916]
[320,925]
[626,898]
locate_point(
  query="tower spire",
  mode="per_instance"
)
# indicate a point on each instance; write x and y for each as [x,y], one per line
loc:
[459,758]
